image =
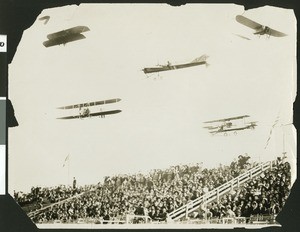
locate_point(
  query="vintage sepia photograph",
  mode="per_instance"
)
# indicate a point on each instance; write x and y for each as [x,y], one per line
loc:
[153,116]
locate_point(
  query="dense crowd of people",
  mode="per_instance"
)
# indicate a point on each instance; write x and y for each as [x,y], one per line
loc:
[262,196]
[39,197]
[162,191]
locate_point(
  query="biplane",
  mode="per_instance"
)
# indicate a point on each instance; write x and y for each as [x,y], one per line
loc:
[65,36]
[198,61]
[85,111]
[225,125]
[259,29]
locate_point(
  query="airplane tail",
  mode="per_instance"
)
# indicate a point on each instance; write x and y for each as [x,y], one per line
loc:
[200,59]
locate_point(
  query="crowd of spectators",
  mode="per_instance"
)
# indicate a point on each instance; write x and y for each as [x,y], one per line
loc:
[161,191]
[40,197]
[261,196]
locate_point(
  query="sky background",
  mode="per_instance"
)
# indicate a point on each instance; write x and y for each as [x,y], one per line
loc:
[161,123]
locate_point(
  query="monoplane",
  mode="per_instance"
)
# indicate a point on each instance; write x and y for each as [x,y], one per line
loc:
[198,61]
[85,109]
[259,29]
[65,36]
[225,125]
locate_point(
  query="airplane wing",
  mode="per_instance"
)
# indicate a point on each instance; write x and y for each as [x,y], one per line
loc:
[232,129]
[228,119]
[155,69]
[235,129]
[78,29]
[73,30]
[52,42]
[73,37]
[239,128]
[276,33]
[103,113]
[91,103]
[57,34]
[248,22]
[227,130]
[63,40]
[109,101]
[70,117]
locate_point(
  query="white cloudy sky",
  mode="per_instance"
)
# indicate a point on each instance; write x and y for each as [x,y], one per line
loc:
[161,123]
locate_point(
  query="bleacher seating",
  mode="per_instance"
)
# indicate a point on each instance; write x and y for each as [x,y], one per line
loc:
[226,194]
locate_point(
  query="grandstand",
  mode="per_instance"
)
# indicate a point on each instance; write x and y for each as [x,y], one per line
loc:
[244,193]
